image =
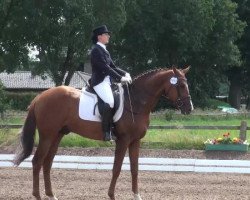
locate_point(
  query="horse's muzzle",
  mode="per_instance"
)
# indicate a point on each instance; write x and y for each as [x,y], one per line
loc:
[185,105]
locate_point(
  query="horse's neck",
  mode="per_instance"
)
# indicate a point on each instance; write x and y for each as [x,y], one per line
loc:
[147,92]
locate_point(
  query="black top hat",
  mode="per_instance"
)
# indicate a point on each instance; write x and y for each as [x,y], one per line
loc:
[100,30]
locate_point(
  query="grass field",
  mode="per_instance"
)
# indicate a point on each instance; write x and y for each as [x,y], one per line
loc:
[169,139]
[190,139]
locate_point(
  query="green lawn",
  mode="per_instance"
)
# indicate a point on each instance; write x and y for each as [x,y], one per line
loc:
[190,139]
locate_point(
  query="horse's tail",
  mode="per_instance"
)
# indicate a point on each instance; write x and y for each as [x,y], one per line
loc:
[27,136]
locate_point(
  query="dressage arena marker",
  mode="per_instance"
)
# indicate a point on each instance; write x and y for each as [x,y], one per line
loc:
[145,164]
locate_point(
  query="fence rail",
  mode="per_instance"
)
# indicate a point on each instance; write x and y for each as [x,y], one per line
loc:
[242,128]
[10,126]
[197,127]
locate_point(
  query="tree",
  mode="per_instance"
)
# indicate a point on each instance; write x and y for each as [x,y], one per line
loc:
[13,49]
[200,33]
[235,90]
[62,32]
[164,32]
[59,30]
[146,34]
[220,51]
[112,13]
[244,14]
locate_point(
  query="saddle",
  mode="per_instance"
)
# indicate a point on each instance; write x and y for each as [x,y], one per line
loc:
[91,106]
[100,103]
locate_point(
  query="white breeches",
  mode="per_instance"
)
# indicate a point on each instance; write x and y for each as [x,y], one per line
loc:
[104,91]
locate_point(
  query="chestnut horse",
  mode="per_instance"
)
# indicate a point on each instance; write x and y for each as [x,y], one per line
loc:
[55,113]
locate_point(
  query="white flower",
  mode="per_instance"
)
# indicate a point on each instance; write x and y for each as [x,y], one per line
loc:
[245,142]
[208,141]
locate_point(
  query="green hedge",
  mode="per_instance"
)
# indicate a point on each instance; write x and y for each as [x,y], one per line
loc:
[19,101]
[3,106]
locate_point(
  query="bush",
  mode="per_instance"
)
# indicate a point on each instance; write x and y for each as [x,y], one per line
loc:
[163,104]
[3,105]
[169,115]
[20,101]
[214,103]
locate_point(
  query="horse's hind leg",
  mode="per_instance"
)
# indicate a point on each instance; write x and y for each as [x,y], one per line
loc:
[37,162]
[47,166]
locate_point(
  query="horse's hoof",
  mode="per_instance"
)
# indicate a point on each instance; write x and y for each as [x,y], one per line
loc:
[52,198]
[37,197]
[111,196]
[137,197]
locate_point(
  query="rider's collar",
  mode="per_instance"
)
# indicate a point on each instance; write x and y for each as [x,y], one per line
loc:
[102,45]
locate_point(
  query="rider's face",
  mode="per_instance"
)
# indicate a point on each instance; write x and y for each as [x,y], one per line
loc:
[104,38]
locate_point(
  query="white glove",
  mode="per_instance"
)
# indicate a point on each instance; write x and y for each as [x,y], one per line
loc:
[125,79]
[128,76]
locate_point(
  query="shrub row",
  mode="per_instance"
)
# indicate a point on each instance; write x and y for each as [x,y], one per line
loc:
[19,101]
[2,99]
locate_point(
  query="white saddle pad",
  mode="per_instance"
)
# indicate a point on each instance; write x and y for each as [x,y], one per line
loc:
[88,102]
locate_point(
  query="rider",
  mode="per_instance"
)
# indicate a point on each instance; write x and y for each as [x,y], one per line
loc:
[103,71]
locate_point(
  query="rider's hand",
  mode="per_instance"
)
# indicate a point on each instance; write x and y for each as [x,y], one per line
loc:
[125,79]
[128,76]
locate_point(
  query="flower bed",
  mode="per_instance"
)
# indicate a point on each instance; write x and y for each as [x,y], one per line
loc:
[225,143]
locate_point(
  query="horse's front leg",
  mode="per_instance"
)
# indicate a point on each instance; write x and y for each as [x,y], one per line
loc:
[120,151]
[134,156]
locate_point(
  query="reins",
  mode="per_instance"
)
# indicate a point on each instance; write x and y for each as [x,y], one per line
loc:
[130,103]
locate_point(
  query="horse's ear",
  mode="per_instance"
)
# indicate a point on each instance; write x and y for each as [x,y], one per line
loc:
[186,69]
[174,69]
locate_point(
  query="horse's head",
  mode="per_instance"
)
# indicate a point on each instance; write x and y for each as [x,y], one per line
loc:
[176,90]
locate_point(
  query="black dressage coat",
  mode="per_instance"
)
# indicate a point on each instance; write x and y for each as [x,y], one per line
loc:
[103,65]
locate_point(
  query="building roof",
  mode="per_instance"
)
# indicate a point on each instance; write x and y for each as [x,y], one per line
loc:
[25,80]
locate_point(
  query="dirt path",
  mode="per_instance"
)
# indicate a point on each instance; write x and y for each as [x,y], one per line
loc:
[16,184]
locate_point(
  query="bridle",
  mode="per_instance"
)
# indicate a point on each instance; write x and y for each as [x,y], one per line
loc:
[180,102]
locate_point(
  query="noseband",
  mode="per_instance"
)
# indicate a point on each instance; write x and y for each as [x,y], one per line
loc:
[181,101]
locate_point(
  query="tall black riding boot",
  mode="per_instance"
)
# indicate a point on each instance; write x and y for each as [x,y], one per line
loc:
[106,123]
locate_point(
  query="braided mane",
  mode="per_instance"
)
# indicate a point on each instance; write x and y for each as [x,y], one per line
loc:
[149,72]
